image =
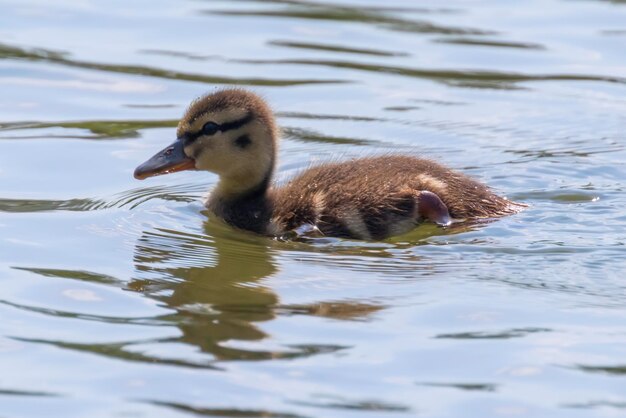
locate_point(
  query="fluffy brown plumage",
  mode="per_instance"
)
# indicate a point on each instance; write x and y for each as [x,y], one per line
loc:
[384,192]
[233,134]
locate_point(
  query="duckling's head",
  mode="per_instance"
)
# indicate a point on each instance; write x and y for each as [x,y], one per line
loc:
[231,133]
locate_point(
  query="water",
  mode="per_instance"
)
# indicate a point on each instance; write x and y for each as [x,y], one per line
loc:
[123,299]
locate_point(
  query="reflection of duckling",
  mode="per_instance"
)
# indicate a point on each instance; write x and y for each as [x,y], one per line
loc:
[233,134]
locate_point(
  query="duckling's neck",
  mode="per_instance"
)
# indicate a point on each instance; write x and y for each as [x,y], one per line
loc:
[243,202]
[235,189]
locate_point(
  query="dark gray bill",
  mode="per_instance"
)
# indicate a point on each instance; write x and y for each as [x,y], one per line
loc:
[168,160]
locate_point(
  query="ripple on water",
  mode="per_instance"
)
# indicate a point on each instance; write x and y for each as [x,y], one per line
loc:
[61,58]
[381,17]
[337,48]
[130,199]
[224,412]
[105,129]
[105,281]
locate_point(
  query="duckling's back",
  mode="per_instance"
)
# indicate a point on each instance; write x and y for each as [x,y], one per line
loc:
[377,197]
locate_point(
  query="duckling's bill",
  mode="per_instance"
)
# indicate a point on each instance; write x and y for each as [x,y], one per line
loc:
[169,160]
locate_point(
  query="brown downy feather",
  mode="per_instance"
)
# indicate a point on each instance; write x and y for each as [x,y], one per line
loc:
[228,99]
[233,134]
[381,191]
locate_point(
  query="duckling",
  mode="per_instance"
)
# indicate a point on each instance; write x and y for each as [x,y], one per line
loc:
[233,134]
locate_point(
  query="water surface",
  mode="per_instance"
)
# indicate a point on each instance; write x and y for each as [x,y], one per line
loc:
[122,298]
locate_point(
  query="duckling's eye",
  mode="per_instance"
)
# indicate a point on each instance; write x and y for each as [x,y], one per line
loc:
[210,128]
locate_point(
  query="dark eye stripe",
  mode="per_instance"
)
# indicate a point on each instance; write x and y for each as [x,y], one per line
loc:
[227,126]
[190,137]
